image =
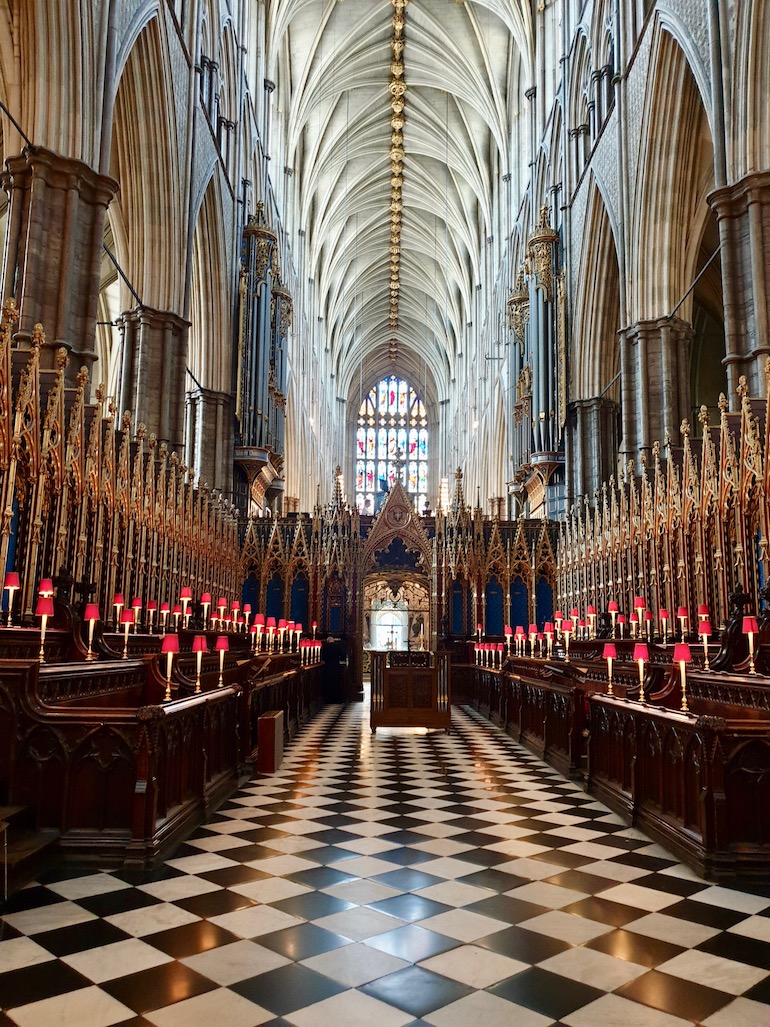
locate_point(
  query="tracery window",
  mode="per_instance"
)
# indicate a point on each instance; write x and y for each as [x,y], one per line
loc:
[391,438]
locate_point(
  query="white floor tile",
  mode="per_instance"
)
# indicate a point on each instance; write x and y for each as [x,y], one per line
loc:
[474,966]
[489,1010]
[238,961]
[596,968]
[714,971]
[116,960]
[355,964]
[350,1009]
[213,1007]
[615,1011]
[463,925]
[87,1007]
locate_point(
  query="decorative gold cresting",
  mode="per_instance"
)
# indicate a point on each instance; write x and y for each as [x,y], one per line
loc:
[541,252]
[397,90]
[518,307]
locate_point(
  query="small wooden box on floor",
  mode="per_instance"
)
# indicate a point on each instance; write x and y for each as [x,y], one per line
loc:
[270,742]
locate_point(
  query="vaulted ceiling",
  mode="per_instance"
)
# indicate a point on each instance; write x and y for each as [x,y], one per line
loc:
[397,189]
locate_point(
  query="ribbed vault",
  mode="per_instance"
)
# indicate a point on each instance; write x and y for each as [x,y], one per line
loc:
[463,65]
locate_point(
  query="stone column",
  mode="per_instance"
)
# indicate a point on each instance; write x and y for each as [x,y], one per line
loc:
[53,252]
[155,372]
[595,430]
[660,370]
[743,214]
[212,432]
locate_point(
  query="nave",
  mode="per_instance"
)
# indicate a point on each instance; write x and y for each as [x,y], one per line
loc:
[391,879]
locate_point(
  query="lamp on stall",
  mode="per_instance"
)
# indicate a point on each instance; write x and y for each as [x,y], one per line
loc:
[566,628]
[634,622]
[91,615]
[200,646]
[314,628]
[479,630]
[152,608]
[648,622]
[221,607]
[176,614]
[185,596]
[574,616]
[45,588]
[591,614]
[289,633]
[259,626]
[126,620]
[222,645]
[521,639]
[682,656]
[11,585]
[136,606]
[612,609]
[610,653]
[43,610]
[281,632]
[548,632]
[500,651]
[750,628]
[532,638]
[297,635]
[118,602]
[622,624]
[681,616]
[247,614]
[703,612]
[508,632]
[641,655]
[663,615]
[206,603]
[165,610]
[253,633]
[704,630]
[558,617]
[270,627]
[640,605]
[235,609]
[169,647]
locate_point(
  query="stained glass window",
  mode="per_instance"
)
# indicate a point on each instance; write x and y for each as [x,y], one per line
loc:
[391,433]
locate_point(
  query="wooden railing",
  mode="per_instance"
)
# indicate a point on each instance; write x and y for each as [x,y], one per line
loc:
[410,690]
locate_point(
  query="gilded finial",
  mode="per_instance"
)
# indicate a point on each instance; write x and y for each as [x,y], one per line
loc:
[684,428]
[83,377]
[656,449]
[141,431]
[38,336]
[703,415]
[126,422]
[723,406]
[152,441]
[61,358]
[666,439]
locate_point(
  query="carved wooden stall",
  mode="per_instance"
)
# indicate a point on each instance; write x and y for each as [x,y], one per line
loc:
[411,690]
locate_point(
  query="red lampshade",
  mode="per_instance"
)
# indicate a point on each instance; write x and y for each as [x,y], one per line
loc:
[639,603]
[648,615]
[222,644]
[507,630]
[750,625]
[152,606]
[298,627]
[282,622]
[634,619]
[682,653]
[519,630]
[574,613]
[703,610]
[663,614]
[314,625]
[44,607]
[127,617]
[641,652]
[500,647]
[612,606]
[92,612]
[185,593]
[236,605]
[221,603]
[136,604]
[165,608]
[533,629]
[548,628]
[610,651]
[253,629]
[479,627]
[566,626]
[170,644]
[558,615]
[704,628]
[247,607]
[12,580]
[271,622]
[590,611]
[259,618]
[118,600]
[200,644]
[206,598]
[621,618]
[581,623]
[177,608]
[681,611]
[45,588]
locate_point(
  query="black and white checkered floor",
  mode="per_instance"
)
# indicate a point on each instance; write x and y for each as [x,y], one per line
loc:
[392,879]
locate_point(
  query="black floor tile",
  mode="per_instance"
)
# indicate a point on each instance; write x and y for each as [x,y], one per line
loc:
[527,946]
[288,988]
[303,941]
[331,836]
[546,993]
[410,907]
[496,880]
[636,948]
[214,903]
[416,991]
[406,856]
[603,911]
[565,859]
[703,913]
[504,907]
[672,995]
[590,884]
[30,898]
[312,905]
[228,877]
[322,877]
[34,983]
[90,935]
[485,858]
[118,902]
[736,947]
[158,987]
[406,879]
[190,938]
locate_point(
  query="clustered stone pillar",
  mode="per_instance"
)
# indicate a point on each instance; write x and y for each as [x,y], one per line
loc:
[660,370]
[592,442]
[743,214]
[53,250]
[209,435]
[154,371]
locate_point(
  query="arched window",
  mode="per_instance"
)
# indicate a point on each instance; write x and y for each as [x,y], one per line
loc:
[391,435]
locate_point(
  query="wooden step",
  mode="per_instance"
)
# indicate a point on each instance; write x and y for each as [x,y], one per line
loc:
[24,852]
